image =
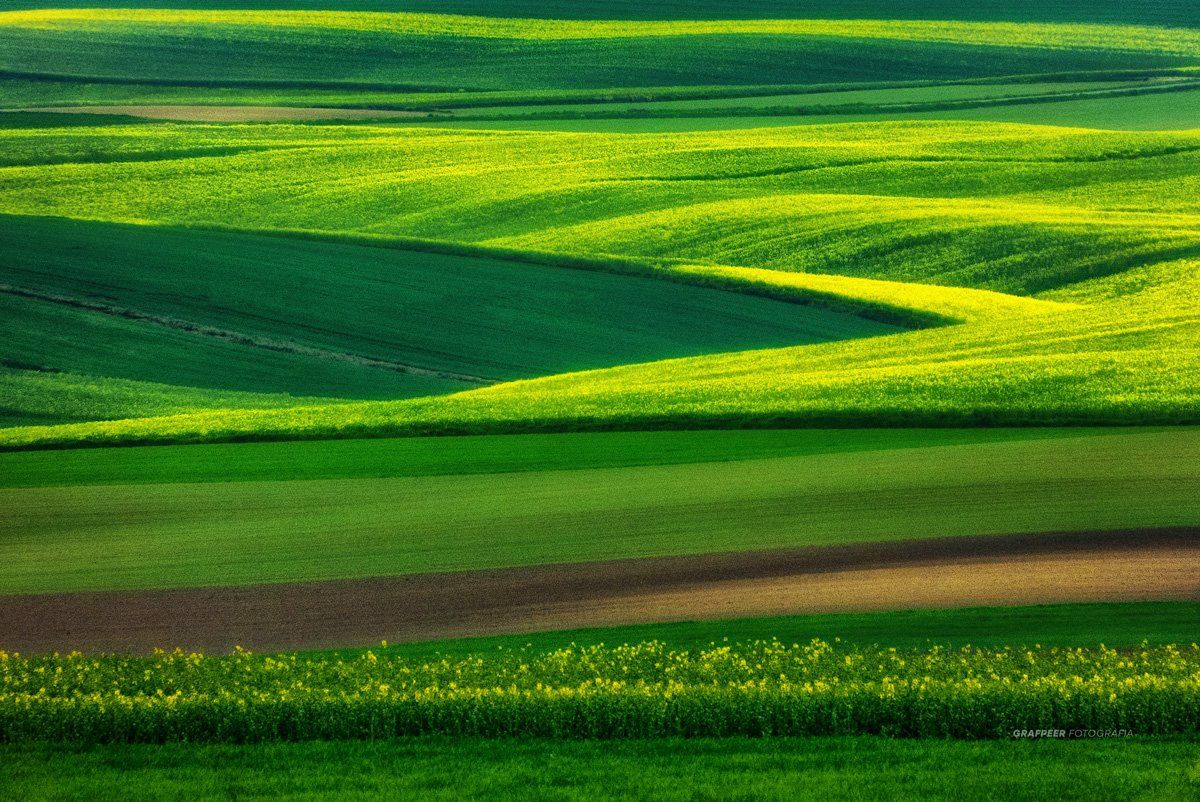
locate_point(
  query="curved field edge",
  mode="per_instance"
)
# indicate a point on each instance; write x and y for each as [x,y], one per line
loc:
[1123,360]
[1142,386]
[385,324]
[874,299]
[902,304]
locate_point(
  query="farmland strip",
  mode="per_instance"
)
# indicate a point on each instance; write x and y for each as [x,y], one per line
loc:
[951,572]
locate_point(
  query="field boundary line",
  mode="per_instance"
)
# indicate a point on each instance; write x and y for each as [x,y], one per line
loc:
[236,337]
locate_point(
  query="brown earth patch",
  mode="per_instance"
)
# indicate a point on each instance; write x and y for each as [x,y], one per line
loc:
[1154,564]
[233,114]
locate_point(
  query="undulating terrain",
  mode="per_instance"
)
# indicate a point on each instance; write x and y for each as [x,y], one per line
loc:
[610,370]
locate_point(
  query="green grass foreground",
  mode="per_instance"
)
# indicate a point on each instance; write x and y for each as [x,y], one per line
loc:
[853,768]
[642,690]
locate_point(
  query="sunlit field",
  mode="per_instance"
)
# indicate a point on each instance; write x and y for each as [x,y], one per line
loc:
[568,400]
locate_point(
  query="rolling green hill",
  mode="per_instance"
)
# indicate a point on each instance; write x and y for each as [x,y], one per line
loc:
[224,311]
[1091,239]
[354,52]
[1050,269]
[703,66]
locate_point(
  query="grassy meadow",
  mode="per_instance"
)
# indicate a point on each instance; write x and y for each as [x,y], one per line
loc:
[839,768]
[767,399]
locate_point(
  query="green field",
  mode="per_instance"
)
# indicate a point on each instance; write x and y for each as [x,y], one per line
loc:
[658,374]
[1072,259]
[669,769]
[480,454]
[109,536]
[447,52]
[1118,625]
[1136,100]
[423,323]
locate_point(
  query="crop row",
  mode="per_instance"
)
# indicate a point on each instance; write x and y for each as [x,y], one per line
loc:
[761,688]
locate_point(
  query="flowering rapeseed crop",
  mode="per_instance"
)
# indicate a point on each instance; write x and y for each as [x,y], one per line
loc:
[641,690]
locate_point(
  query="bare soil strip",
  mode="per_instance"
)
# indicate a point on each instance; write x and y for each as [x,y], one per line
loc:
[233,114]
[1158,564]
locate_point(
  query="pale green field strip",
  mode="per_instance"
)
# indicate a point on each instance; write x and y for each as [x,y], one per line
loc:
[1146,112]
[871,104]
[486,454]
[1171,108]
[1179,111]
[19,89]
[817,101]
[864,97]
[241,113]
[771,98]
[168,535]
